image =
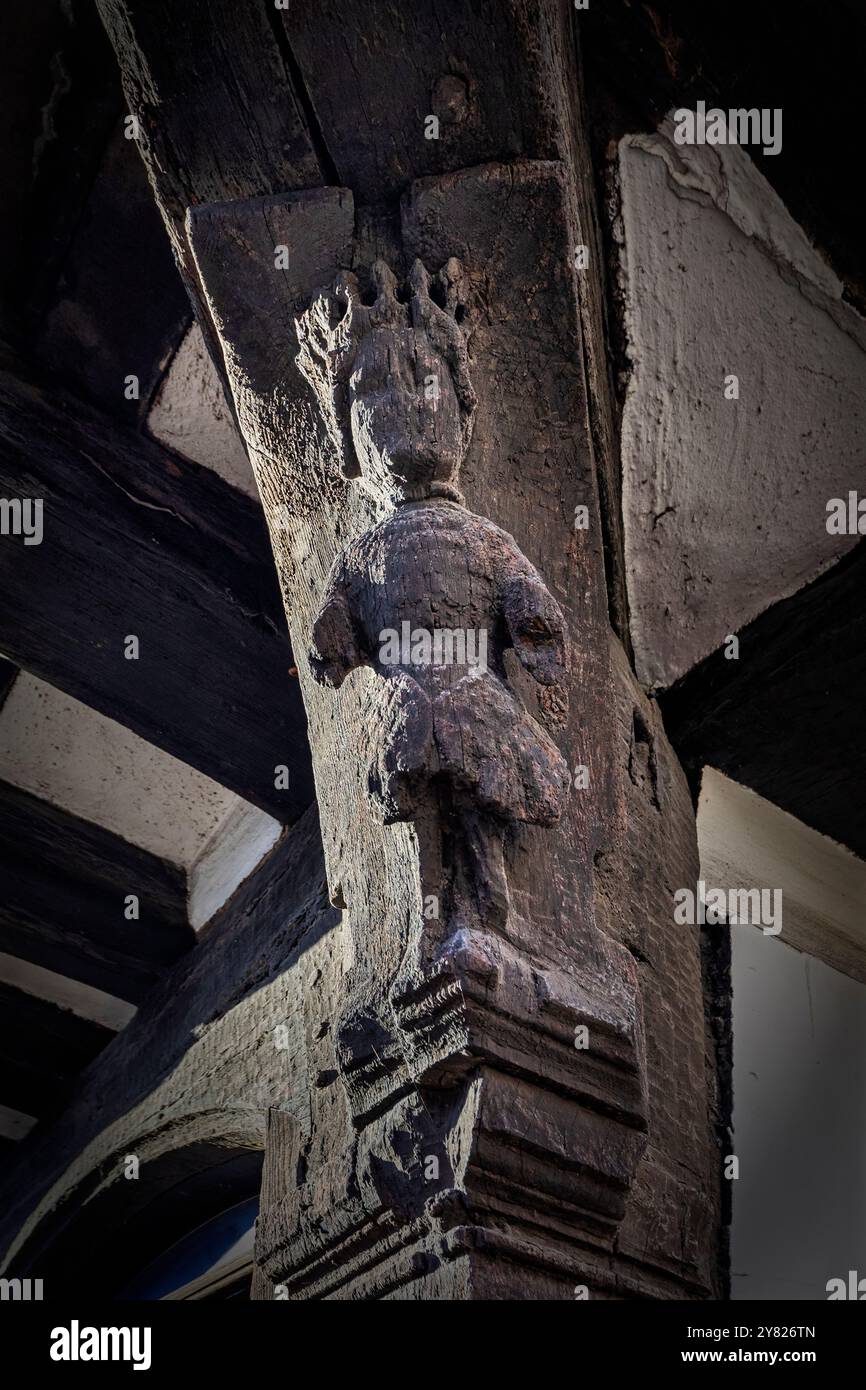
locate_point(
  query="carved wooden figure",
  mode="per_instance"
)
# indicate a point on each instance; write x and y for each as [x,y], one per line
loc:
[433,596]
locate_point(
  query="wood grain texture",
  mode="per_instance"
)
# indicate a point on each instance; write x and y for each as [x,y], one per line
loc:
[479,68]
[192,1075]
[503,79]
[137,541]
[423,1002]
[64,885]
[188,67]
[401,1043]
[674,1215]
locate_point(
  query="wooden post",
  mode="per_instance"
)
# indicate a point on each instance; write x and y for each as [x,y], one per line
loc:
[486,1129]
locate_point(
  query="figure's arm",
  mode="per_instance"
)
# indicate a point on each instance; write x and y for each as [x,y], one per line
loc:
[335,650]
[535,624]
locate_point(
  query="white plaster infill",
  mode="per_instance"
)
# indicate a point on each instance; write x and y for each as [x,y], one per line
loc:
[725,499]
[79,760]
[82,762]
[190,416]
[83,1000]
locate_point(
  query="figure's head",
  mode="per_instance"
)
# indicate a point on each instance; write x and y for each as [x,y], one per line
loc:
[392,379]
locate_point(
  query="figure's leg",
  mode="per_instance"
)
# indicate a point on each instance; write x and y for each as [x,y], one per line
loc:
[479,891]
[399,766]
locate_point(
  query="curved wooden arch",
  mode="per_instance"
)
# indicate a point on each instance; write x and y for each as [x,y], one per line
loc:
[188,1170]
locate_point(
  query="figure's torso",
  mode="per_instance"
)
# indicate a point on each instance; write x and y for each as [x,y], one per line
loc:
[430,568]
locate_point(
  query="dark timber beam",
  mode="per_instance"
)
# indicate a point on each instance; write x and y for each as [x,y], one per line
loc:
[141,319]
[487,72]
[138,542]
[277,914]
[53,59]
[196,125]
[8,673]
[65,882]
[786,718]
[42,1050]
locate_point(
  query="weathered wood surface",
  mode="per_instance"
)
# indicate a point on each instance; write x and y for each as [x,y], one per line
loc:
[786,718]
[483,70]
[453,746]
[459,1050]
[596,332]
[137,541]
[188,69]
[65,882]
[223,1038]
[413,1010]
[503,80]
[674,1214]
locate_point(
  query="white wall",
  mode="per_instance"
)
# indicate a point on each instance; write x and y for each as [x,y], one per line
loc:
[724,501]
[799,1034]
[799,1213]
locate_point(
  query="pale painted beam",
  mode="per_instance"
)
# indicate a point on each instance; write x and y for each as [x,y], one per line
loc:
[78,998]
[747,842]
[14,1124]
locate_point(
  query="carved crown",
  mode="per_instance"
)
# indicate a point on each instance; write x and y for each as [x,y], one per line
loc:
[331,331]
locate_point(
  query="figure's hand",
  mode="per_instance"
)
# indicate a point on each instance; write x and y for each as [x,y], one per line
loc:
[537,629]
[334,651]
